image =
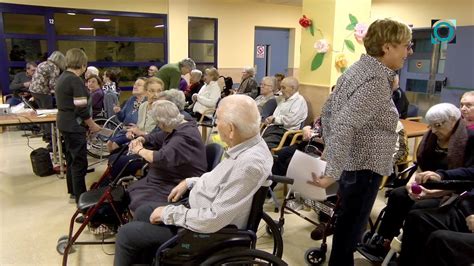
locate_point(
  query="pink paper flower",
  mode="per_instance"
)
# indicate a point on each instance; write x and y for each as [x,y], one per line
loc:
[321,46]
[360,30]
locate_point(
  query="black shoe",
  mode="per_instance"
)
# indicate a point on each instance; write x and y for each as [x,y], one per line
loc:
[318,232]
[80,219]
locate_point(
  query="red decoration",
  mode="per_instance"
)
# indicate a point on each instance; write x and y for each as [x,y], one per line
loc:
[305,22]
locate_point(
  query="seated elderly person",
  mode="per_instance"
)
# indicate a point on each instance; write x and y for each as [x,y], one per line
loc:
[20,84]
[290,113]
[174,153]
[467,109]
[129,113]
[145,124]
[90,71]
[94,84]
[266,102]
[195,84]
[173,95]
[441,236]
[208,95]
[447,145]
[248,84]
[216,199]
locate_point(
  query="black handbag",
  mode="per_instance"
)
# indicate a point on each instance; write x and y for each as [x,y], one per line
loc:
[41,162]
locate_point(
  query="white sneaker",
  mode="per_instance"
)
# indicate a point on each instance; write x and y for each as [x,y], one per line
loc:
[294,205]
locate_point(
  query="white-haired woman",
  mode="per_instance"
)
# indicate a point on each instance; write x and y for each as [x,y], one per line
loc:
[208,95]
[174,153]
[447,145]
[248,84]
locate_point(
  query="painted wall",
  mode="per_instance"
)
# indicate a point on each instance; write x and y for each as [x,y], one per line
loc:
[420,12]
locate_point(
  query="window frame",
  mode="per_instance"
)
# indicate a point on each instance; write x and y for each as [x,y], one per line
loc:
[214,42]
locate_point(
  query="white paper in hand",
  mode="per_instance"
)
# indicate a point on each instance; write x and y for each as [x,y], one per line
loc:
[300,168]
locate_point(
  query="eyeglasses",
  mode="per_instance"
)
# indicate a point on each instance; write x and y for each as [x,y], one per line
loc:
[437,125]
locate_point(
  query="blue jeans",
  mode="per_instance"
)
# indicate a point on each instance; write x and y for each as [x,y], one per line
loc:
[357,192]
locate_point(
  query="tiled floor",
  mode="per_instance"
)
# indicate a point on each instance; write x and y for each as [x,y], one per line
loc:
[35,212]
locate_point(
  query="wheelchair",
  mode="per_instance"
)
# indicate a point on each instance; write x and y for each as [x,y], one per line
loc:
[229,246]
[97,143]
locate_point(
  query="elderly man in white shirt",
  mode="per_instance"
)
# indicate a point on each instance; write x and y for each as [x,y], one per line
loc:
[216,199]
[290,113]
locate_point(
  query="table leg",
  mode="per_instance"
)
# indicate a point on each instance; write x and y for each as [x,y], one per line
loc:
[60,153]
[54,143]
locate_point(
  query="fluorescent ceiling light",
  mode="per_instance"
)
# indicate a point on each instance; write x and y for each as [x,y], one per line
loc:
[159,26]
[101,20]
[85,28]
[71,13]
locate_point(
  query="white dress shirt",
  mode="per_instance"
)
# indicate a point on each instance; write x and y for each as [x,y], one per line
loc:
[291,113]
[224,195]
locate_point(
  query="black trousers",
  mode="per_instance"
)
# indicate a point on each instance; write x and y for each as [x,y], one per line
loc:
[398,206]
[76,159]
[138,240]
[120,163]
[44,101]
[357,192]
[272,135]
[426,242]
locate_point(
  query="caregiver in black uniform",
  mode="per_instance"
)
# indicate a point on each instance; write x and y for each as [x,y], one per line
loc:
[74,119]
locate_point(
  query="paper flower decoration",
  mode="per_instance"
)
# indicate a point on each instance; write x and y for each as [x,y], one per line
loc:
[306,22]
[360,30]
[321,46]
[341,62]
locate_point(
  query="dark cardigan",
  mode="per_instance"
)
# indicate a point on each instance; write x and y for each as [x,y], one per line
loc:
[460,149]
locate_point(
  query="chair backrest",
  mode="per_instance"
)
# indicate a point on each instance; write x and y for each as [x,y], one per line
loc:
[268,108]
[257,208]
[214,153]
[412,110]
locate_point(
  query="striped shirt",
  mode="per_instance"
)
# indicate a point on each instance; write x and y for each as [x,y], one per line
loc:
[359,120]
[224,195]
[291,113]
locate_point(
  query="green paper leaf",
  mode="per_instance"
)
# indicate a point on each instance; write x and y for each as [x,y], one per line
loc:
[353,19]
[311,29]
[350,26]
[350,45]
[317,61]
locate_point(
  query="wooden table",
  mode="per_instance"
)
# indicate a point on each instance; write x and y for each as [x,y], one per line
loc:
[415,130]
[32,118]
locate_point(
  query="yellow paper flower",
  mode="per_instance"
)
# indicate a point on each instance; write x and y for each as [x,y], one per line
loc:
[341,62]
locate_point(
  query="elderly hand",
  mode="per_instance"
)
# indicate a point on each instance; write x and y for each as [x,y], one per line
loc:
[178,191]
[117,109]
[470,222]
[135,146]
[94,128]
[307,133]
[26,84]
[321,181]
[421,178]
[269,120]
[155,216]
[130,135]
[194,97]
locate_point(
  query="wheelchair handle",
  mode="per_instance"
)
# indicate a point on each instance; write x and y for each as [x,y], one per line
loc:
[281,179]
[117,178]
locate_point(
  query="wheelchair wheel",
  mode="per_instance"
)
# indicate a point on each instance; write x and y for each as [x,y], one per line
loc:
[314,256]
[366,237]
[97,144]
[275,245]
[244,257]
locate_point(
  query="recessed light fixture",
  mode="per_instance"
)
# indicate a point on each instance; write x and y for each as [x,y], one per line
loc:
[159,26]
[71,13]
[85,28]
[101,19]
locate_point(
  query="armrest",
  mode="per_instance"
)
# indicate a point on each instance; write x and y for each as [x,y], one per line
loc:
[283,139]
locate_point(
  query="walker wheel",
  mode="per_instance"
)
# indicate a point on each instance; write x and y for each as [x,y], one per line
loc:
[314,256]
[270,233]
[62,244]
[366,236]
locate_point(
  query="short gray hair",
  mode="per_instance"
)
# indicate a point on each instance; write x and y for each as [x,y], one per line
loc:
[468,93]
[273,81]
[166,113]
[241,111]
[442,112]
[250,71]
[292,82]
[196,73]
[59,59]
[187,62]
[175,96]
[93,70]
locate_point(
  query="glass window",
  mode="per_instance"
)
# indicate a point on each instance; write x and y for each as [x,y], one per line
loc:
[24,24]
[203,67]
[26,49]
[117,51]
[201,52]
[111,26]
[13,71]
[201,29]
[128,75]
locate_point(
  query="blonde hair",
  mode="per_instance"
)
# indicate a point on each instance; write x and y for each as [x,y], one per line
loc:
[153,80]
[384,31]
[213,73]
[76,58]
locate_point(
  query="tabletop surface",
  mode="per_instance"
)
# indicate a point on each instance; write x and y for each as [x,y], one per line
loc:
[413,128]
[25,118]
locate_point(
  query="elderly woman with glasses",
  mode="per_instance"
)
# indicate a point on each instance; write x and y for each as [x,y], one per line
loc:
[447,145]
[174,153]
